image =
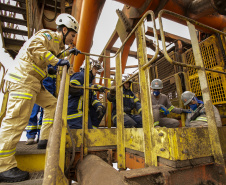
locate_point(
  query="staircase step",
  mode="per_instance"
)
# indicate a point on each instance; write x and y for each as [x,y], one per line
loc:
[11,8]
[29,158]
[36,178]
[13,20]
[9,41]
[22,149]
[20,1]
[15,31]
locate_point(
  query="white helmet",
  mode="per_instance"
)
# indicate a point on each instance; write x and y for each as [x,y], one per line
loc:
[67,20]
[187,96]
[97,64]
[156,84]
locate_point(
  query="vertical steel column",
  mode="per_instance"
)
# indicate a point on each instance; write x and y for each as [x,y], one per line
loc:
[109,106]
[120,115]
[212,127]
[85,107]
[147,113]
[179,92]
[64,125]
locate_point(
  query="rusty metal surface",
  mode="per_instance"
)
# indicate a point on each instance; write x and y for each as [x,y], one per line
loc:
[23,149]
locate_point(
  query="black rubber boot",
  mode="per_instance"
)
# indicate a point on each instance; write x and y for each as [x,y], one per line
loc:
[14,175]
[42,144]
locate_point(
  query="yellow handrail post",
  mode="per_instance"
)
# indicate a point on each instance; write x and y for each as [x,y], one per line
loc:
[86,106]
[179,92]
[120,115]
[212,127]
[147,113]
[109,106]
[64,125]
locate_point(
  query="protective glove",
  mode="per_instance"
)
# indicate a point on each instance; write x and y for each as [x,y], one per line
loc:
[100,88]
[74,51]
[186,111]
[164,109]
[63,62]
[127,110]
[51,71]
[100,110]
[113,90]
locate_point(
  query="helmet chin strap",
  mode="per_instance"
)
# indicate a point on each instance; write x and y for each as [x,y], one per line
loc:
[64,36]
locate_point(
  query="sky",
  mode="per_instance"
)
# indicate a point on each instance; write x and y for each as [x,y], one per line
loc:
[104,29]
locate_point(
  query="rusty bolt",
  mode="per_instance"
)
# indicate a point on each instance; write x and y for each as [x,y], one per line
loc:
[162,149]
[160,134]
[120,155]
[185,151]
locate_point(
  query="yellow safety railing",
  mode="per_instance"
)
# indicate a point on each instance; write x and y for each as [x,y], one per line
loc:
[212,128]
[147,115]
[55,157]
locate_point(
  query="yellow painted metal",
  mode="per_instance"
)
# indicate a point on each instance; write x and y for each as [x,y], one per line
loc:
[179,92]
[109,106]
[120,115]
[134,139]
[61,178]
[213,133]
[102,137]
[86,106]
[212,59]
[173,144]
[147,113]
[64,125]
[31,162]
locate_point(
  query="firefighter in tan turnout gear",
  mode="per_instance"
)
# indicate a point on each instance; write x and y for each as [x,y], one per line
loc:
[162,107]
[197,117]
[25,89]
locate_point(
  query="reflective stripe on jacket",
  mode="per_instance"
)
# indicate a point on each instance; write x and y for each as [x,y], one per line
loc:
[75,102]
[34,57]
[130,101]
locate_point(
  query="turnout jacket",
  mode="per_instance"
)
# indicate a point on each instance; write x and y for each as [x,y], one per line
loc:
[164,100]
[202,118]
[130,101]
[75,102]
[34,57]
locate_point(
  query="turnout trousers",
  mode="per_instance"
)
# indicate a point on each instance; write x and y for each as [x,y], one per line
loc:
[19,107]
[164,121]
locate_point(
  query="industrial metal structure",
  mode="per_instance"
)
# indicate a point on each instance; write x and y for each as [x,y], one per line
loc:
[154,155]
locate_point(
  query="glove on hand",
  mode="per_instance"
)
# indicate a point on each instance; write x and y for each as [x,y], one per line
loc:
[113,90]
[63,62]
[74,51]
[100,88]
[51,71]
[100,110]
[127,110]
[186,111]
[164,109]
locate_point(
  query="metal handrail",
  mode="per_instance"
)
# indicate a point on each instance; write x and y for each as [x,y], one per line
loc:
[53,154]
[164,41]
[134,29]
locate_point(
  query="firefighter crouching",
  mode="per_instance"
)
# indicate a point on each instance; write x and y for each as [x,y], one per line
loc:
[25,89]
[130,101]
[75,99]
[197,117]
[162,107]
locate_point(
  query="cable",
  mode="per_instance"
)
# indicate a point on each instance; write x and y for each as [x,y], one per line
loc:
[46,18]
